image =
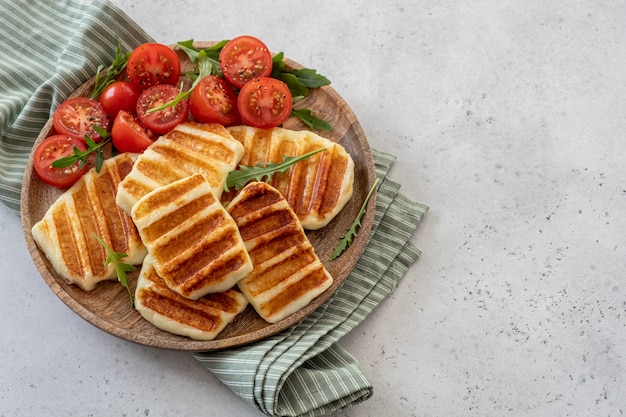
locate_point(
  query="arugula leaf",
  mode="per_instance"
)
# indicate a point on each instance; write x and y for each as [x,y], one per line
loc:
[110,75]
[204,69]
[121,268]
[313,122]
[83,156]
[300,81]
[240,177]
[352,232]
[212,54]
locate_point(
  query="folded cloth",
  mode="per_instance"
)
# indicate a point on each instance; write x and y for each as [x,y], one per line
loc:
[48,49]
[302,371]
[299,372]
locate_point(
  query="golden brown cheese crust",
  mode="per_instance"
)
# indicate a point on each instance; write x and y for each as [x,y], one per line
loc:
[188,149]
[201,319]
[317,188]
[287,273]
[194,243]
[66,234]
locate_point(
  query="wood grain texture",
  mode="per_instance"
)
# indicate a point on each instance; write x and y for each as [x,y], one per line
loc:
[108,308]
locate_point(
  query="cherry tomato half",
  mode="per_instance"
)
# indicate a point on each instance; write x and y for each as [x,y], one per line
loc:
[264,102]
[51,149]
[119,95]
[213,100]
[151,64]
[77,116]
[244,58]
[128,134]
[161,121]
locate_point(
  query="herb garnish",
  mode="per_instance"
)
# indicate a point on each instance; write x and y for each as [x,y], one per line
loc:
[299,81]
[118,65]
[121,268]
[346,240]
[205,67]
[83,156]
[240,177]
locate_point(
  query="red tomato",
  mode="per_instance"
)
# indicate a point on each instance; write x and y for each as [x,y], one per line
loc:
[213,100]
[119,95]
[77,117]
[161,121]
[128,135]
[264,102]
[51,149]
[151,64]
[244,58]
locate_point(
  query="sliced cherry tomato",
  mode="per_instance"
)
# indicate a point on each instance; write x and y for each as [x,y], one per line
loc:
[51,149]
[213,100]
[264,102]
[128,134]
[119,95]
[161,121]
[244,58]
[152,64]
[78,116]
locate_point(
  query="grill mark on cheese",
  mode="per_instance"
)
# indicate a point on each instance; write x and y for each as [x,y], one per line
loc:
[200,272]
[280,240]
[86,209]
[195,244]
[190,148]
[216,150]
[331,195]
[167,196]
[88,225]
[276,273]
[201,319]
[295,291]
[65,235]
[317,188]
[190,161]
[157,170]
[163,225]
[287,273]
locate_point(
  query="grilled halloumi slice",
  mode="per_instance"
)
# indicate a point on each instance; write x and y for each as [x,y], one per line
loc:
[287,273]
[201,319]
[66,234]
[316,189]
[188,149]
[194,243]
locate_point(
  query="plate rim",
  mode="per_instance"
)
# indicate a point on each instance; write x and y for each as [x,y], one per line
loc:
[189,344]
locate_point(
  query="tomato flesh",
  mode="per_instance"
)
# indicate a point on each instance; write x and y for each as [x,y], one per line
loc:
[264,102]
[151,64]
[128,135]
[161,121]
[244,58]
[213,100]
[51,149]
[77,117]
[119,95]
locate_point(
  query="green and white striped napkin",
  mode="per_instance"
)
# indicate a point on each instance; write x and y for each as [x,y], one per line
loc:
[299,372]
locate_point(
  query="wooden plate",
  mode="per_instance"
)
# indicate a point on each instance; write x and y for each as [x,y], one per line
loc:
[107,306]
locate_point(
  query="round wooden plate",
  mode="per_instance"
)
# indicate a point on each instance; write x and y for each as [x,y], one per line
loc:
[108,308]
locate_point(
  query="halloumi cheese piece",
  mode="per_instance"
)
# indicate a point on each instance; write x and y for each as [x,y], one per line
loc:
[189,148]
[287,273]
[194,243]
[201,319]
[67,232]
[317,188]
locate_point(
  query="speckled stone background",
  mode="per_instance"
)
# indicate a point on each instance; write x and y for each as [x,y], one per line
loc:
[508,119]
